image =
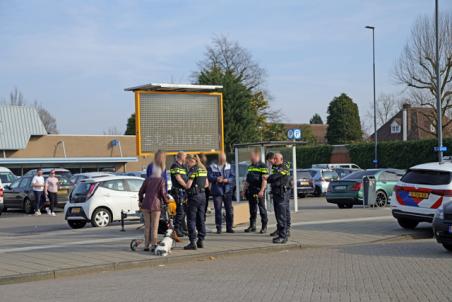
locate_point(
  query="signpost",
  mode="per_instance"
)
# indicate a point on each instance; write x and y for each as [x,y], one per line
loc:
[294,135]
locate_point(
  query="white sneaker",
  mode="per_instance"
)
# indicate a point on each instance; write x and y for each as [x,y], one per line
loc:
[48,211]
[53,214]
[38,213]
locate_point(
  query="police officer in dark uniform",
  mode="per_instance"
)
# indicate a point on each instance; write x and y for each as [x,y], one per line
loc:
[179,178]
[279,181]
[196,184]
[254,190]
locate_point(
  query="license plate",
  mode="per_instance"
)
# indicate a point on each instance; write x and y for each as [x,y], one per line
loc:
[303,183]
[422,195]
[450,229]
[75,211]
[340,188]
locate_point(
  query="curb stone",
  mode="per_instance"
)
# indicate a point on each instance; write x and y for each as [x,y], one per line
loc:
[126,265]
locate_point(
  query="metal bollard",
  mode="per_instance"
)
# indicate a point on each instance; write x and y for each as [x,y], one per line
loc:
[123,216]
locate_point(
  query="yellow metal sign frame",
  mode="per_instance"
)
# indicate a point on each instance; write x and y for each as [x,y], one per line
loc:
[138,120]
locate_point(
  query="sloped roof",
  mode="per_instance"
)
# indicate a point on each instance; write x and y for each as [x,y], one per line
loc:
[17,125]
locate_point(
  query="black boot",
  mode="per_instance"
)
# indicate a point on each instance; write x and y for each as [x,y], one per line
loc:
[251,228]
[280,240]
[200,244]
[263,229]
[190,246]
[275,233]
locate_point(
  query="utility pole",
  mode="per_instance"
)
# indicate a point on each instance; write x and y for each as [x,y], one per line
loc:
[375,98]
[438,88]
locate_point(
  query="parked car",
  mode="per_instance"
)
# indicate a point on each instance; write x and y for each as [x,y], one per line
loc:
[335,166]
[46,171]
[20,194]
[1,197]
[321,179]
[421,192]
[101,200]
[342,172]
[76,178]
[6,176]
[349,190]
[305,183]
[442,225]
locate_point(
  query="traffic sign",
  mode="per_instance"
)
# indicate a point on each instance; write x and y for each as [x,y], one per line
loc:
[294,134]
[440,149]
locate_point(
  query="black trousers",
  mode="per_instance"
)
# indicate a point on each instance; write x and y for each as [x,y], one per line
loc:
[53,197]
[282,213]
[195,216]
[218,202]
[179,219]
[255,203]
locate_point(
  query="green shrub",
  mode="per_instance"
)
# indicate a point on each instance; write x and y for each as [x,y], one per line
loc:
[306,156]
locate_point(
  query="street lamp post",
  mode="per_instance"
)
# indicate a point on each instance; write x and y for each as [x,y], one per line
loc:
[439,113]
[375,100]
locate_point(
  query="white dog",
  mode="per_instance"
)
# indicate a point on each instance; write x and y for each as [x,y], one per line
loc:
[165,246]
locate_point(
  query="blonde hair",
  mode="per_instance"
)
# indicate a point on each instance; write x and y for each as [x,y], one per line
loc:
[160,159]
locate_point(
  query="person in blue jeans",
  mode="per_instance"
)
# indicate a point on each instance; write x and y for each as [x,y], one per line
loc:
[222,178]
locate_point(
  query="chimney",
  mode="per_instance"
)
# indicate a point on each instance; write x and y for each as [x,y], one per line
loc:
[405,121]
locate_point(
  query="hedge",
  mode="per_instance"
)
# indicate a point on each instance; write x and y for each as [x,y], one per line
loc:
[306,156]
[396,154]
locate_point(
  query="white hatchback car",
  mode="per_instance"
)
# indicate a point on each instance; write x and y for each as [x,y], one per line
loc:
[101,200]
[421,192]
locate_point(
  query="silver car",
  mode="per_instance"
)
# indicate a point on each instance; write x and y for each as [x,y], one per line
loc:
[322,179]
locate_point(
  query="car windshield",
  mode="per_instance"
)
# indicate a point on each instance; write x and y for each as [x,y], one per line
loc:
[81,189]
[7,177]
[329,174]
[427,177]
[361,174]
[303,174]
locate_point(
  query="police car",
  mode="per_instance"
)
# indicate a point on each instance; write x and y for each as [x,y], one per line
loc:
[421,192]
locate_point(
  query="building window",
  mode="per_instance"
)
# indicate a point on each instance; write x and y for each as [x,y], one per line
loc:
[395,128]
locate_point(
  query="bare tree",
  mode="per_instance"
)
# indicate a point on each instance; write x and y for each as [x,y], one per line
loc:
[416,67]
[112,131]
[387,106]
[47,119]
[229,56]
[16,98]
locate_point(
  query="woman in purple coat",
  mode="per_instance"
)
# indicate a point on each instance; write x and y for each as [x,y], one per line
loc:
[151,196]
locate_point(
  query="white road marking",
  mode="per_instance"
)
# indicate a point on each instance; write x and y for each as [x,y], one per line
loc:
[110,240]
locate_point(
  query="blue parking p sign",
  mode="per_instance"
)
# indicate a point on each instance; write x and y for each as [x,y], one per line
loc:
[294,134]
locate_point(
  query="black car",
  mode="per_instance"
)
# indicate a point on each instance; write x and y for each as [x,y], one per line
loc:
[19,194]
[442,226]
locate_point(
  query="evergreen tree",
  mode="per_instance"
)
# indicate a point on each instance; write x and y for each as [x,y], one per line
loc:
[130,130]
[316,119]
[344,125]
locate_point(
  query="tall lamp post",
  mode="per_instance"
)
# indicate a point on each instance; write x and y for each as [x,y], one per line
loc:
[439,113]
[375,100]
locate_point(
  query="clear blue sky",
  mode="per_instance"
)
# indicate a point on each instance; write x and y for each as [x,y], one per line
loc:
[76,57]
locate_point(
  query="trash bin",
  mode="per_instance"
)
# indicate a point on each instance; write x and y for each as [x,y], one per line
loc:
[370,191]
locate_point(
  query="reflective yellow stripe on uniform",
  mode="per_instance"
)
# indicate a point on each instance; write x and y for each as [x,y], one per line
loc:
[259,170]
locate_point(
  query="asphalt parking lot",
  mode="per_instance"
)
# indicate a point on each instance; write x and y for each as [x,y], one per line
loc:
[365,245]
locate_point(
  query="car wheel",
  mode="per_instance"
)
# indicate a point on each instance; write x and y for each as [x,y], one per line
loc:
[407,223]
[5,209]
[341,205]
[349,205]
[28,206]
[302,195]
[76,224]
[381,200]
[448,246]
[101,217]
